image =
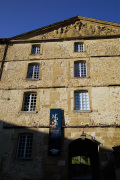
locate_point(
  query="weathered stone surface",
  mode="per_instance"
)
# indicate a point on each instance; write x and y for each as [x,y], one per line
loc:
[55,89]
[80,29]
[2,49]
[64,49]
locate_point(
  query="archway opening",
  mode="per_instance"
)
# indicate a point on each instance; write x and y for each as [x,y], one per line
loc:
[83,160]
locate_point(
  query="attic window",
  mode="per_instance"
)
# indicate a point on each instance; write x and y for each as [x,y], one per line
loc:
[78,47]
[35,49]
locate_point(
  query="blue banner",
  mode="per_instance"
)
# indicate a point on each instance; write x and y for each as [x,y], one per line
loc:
[55,132]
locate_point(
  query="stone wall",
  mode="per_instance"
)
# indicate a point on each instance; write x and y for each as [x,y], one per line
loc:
[42,166]
[55,89]
[57,64]
[103,103]
[64,49]
[2,49]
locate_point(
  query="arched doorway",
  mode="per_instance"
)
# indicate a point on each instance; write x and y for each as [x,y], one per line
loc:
[83,160]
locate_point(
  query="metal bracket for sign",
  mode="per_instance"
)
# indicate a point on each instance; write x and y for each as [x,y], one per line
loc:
[54,151]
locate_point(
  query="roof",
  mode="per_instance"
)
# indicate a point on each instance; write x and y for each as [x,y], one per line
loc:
[85,27]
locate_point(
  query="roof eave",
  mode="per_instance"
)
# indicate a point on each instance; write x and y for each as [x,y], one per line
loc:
[56,25]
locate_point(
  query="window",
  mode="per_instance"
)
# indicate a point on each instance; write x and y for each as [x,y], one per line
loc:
[24,150]
[78,47]
[35,49]
[33,71]
[80,69]
[29,103]
[81,100]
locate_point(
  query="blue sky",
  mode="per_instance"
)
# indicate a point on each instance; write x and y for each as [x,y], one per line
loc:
[20,16]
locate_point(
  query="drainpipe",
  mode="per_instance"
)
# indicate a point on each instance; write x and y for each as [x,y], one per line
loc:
[4,57]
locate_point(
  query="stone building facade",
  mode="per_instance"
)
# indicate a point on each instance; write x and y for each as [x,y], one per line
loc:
[72,66]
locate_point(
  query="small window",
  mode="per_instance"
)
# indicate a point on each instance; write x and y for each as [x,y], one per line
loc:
[80,69]
[29,103]
[78,47]
[35,49]
[81,100]
[33,71]
[24,150]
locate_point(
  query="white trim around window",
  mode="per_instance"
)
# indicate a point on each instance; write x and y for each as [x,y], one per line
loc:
[80,69]
[81,100]
[33,71]
[24,149]
[35,49]
[29,101]
[78,47]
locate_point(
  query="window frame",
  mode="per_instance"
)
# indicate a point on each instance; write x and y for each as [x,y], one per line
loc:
[80,68]
[36,50]
[81,101]
[33,71]
[78,49]
[26,145]
[31,102]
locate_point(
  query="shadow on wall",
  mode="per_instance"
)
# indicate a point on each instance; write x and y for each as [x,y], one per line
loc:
[24,156]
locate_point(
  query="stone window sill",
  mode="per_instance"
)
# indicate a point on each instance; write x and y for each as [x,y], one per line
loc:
[28,112]
[81,77]
[79,51]
[82,111]
[30,79]
[35,54]
[18,159]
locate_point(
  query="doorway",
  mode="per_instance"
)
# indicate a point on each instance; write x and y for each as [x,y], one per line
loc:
[83,160]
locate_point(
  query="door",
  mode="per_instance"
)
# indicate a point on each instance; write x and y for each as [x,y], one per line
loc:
[83,160]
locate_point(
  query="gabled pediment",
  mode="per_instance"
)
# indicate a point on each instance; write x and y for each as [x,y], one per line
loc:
[77,27]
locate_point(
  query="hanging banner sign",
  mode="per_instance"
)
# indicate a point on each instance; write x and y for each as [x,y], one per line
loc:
[55,132]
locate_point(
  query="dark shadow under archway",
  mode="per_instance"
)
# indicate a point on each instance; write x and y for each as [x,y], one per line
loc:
[83,160]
